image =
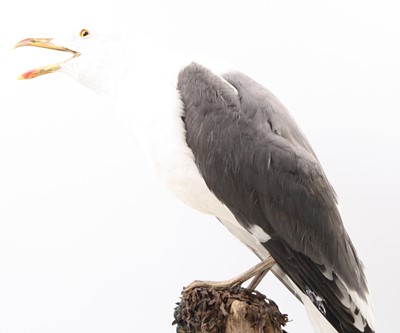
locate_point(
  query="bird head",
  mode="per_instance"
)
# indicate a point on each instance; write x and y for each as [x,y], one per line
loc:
[96,60]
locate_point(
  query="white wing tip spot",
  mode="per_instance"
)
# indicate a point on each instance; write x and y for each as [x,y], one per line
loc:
[259,234]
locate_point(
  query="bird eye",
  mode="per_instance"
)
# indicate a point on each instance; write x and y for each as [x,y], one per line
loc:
[84,33]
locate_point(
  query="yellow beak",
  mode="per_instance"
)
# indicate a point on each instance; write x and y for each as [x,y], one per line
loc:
[47,44]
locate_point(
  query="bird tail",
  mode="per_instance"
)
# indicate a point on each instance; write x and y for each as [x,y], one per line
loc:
[360,308]
[319,323]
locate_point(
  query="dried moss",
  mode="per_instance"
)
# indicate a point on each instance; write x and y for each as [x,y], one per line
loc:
[207,309]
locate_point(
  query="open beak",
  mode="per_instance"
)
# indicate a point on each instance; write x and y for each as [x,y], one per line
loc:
[47,44]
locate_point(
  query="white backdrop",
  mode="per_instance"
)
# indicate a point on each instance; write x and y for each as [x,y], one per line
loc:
[89,241]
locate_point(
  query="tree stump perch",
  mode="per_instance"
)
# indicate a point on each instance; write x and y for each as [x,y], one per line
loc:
[238,310]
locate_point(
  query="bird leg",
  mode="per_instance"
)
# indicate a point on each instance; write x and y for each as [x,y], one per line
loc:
[258,271]
[257,279]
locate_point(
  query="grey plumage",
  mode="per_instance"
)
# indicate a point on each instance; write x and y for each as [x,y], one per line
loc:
[255,159]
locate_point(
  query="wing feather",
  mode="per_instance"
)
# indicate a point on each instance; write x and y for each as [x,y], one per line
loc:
[256,160]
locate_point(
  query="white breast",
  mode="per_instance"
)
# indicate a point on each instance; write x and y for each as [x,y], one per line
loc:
[152,112]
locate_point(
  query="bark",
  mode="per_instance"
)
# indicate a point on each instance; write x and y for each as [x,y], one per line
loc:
[237,321]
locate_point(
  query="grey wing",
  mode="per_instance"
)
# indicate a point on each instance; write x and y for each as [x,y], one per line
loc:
[255,159]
